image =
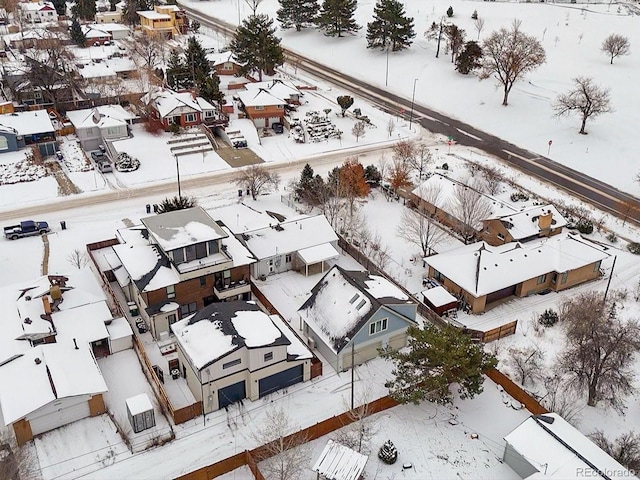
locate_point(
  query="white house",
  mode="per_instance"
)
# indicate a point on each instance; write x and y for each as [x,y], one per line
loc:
[230,351]
[547,446]
[305,244]
[37,12]
[96,125]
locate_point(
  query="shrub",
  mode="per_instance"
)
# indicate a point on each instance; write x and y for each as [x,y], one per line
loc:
[450,12]
[634,247]
[516,196]
[445,166]
[388,453]
[612,237]
[474,15]
[584,226]
[549,318]
[174,128]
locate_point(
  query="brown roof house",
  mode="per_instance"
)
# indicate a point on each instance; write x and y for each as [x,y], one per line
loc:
[523,226]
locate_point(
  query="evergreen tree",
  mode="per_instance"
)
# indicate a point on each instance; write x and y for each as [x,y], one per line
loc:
[450,12]
[209,89]
[84,9]
[469,58]
[60,6]
[336,17]
[177,72]
[388,453]
[176,203]
[372,175]
[306,181]
[345,102]
[297,13]
[255,46]
[390,26]
[131,7]
[196,62]
[77,35]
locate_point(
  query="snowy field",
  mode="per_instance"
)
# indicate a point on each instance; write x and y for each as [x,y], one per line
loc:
[571,35]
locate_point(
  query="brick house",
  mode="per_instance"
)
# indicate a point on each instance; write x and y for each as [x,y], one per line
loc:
[262,107]
[95,36]
[224,63]
[180,108]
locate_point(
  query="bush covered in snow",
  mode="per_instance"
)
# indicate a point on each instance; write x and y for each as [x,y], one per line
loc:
[126,163]
[549,318]
[634,247]
[388,453]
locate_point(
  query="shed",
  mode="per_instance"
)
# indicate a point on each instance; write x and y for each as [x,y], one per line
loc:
[338,462]
[120,335]
[439,299]
[140,412]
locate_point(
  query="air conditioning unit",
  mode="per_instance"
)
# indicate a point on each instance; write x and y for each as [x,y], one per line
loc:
[311,343]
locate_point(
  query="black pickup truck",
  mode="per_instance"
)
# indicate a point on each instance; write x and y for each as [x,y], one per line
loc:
[26,229]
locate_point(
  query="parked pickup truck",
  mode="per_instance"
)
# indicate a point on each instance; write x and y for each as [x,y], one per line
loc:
[26,229]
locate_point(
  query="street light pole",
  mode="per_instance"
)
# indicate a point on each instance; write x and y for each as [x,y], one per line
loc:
[413,97]
[353,353]
[178,170]
[386,75]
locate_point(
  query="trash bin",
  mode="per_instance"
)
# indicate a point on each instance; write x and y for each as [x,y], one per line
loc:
[155,208]
[239,193]
[148,208]
[63,225]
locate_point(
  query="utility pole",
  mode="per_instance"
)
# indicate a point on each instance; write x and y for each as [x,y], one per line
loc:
[353,369]
[609,281]
[413,97]
[386,75]
[178,171]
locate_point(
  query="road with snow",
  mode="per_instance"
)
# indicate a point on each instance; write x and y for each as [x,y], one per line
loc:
[587,188]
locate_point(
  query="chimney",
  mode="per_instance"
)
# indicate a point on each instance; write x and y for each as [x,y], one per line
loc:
[37,361]
[46,304]
[544,221]
[55,292]
[75,344]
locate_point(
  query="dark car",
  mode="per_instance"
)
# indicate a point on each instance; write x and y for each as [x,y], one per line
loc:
[278,127]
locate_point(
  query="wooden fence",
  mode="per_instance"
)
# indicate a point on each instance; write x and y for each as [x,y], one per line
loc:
[516,392]
[499,332]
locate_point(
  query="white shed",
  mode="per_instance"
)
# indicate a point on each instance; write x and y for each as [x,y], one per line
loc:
[140,412]
[338,462]
[120,335]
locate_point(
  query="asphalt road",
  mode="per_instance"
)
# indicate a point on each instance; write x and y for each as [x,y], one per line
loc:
[589,189]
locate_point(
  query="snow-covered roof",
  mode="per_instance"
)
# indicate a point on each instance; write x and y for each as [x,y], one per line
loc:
[139,404]
[27,383]
[289,236]
[153,15]
[180,228]
[440,190]
[481,269]
[318,253]
[149,268]
[94,31]
[342,301]
[260,97]
[220,58]
[439,296]
[240,218]
[103,116]
[166,101]
[524,224]
[277,88]
[337,462]
[238,252]
[110,27]
[119,328]
[97,70]
[36,6]
[85,323]
[554,447]
[28,123]
[223,327]
[29,34]
[297,349]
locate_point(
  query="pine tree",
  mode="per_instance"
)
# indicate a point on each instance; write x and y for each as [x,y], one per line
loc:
[255,46]
[84,9]
[131,7]
[306,180]
[469,58]
[177,72]
[297,13]
[209,89]
[388,453]
[60,6]
[197,64]
[336,17]
[390,26]
[77,35]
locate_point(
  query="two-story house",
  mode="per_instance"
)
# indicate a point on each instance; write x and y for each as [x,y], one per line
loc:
[25,129]
[351,315]
[179,262]
[37,12]
[179,108]
[165,21]
[95,126]
[262,107]
[233,350]
[279,89]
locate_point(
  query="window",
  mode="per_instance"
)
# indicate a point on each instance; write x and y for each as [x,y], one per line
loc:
[353,299]
[213,247]
[178,256]
[378,326]
[564,277]
[190,251]
[542,279]
[361,304]
[190,117]
[258,107]
[171,291]
[438,276]
[287,258]
[201,250]
[226,274]
[4,143]
[114,131]
[500,236]
[596,266]
[187,309]
[172,318]
[227,66]
[203,281]
[209,113]
[268,356]
[89,132]
[232,363]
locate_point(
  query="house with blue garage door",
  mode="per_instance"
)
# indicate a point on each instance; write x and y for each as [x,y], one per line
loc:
[230,351]
[353,314]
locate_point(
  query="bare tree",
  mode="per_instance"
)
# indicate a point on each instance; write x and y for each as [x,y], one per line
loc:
[358,130]
[421,157]
[404,151]
[420,230]
[587,99]
[383,167]
[628,208]
[78,258]
[253,5]
[256,180]
[399,175]
[455,39]
[285,453]
[391,126]
[526,362]
[615,45]
[361,428]
[492,179]
[625,449]
[478,23]
[509,55]
[561,398]
[148,49]
[600,350]
[470,207]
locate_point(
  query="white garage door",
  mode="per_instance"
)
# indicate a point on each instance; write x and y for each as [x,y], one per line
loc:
[273,120]
[260,122]
[59,413]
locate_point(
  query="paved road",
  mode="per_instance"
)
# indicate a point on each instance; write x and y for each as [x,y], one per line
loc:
[592,190]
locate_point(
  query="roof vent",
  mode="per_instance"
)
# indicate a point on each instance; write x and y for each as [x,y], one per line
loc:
[27,321]
[37,361]
[27,298]
[75,344]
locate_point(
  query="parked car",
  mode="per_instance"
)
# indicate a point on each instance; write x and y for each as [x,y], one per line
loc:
[278,127]
[59,155]
[102,162]
[26,228]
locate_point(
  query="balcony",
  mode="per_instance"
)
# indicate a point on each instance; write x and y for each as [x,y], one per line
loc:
[232,289]
[204,266]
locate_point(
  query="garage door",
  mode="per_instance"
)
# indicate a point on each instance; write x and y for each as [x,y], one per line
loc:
[504,293]
[59,413]
[280,380]
[397,342]
[232,393]
[260,122]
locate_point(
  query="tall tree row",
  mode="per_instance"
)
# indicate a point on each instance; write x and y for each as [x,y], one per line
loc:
[297,14]
[390,27]
[336,17]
